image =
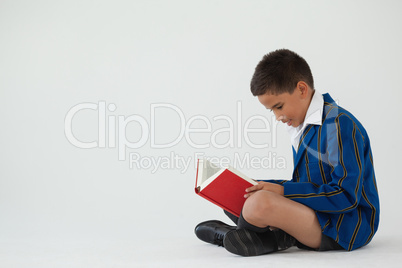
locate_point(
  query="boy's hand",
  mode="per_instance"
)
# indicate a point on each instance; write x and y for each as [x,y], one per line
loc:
[266,186]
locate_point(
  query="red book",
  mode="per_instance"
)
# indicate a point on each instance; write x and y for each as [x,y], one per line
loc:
[225,187]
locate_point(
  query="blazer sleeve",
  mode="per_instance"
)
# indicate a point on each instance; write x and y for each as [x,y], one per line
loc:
[281,182]
[346,157]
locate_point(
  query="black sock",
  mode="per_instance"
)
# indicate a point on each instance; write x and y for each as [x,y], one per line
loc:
[231,216]
[243,224]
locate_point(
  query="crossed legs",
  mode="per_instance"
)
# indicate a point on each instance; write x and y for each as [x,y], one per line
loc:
[265,208]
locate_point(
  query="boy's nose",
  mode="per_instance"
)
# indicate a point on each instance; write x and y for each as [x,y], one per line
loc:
[279,117]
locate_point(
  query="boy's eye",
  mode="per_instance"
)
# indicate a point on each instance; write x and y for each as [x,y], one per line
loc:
[277,107]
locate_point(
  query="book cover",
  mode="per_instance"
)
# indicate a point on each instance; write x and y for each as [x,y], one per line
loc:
[225,187]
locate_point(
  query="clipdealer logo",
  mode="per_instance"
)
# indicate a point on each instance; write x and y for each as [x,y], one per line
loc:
[112,133]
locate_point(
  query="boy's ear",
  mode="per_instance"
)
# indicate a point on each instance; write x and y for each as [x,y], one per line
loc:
[302,88]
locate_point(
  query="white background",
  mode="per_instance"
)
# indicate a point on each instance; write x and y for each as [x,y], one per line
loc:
[61,205]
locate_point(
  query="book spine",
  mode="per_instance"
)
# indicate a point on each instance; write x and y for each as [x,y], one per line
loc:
[197,189]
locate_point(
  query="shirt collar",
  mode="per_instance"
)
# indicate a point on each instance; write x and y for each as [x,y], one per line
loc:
[314,112]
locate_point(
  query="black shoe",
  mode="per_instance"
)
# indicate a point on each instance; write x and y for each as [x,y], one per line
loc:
[248,243]
[213,231]
[284,239]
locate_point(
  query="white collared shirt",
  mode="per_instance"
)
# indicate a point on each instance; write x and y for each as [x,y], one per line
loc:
[313,117]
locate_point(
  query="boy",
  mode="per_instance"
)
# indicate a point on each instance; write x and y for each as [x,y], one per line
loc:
[332,200]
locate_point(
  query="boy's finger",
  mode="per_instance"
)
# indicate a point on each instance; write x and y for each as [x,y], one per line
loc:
[254,188]
[250,189]
[248,195]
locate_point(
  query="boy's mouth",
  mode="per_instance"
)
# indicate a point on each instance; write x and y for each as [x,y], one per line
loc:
[289,122]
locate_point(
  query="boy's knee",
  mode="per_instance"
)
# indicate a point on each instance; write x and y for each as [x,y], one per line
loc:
[258,206]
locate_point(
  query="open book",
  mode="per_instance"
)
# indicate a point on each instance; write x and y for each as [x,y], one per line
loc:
[225,187]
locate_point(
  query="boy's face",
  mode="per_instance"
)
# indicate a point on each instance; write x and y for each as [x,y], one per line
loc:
[289,108]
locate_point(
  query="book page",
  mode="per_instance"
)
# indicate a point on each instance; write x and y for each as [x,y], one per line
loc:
[238,173]
[207,172]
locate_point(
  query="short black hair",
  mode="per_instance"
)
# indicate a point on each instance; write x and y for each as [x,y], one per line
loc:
[279,72]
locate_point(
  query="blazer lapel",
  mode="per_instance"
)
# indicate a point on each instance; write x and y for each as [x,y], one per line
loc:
[304,142]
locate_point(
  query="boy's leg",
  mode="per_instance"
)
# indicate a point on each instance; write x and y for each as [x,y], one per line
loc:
[265,208]
[231,216]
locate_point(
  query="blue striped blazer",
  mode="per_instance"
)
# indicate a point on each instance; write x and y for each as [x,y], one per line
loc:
[334,175]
